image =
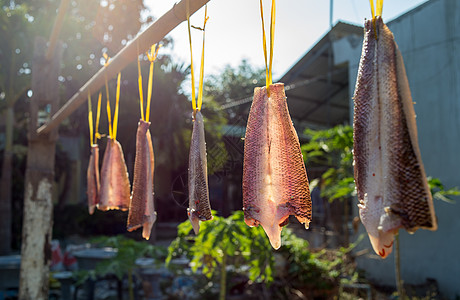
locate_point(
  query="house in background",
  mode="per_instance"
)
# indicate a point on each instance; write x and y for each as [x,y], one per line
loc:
[429,40]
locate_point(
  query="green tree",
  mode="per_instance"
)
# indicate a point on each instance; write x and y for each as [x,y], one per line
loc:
[234,84]
[15,52]
[222,242]
[90,28]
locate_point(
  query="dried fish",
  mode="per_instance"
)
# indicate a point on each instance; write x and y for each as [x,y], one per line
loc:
[199,208]
[275,183]
[115,187]
[390,178]
[141,208]
[92,176]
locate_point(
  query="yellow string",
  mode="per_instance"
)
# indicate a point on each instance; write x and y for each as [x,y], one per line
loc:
[139,82]
[152,57]
[377,10]
[264,41]
[191,56]
[268,61]
[200,88]
[98,115]
[149,87]
[197,103]
[272,39]
[117,104]
[372,8]
[90,119]
[109,114]
[379,7]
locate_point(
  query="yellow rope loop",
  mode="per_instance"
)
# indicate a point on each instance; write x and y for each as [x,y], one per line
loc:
[117,104]
[152,57]
[268,60]
[139,82]
[98,115]
[90,119]
[197,103]
[109,114]
[379,8]
[377,11]
[264,41]
[200,87]
[109,118]
[272,39]
[191,56]
[107,58]
[372,8]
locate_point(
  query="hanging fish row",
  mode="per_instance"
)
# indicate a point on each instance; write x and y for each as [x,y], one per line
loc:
[389,174]
[275,183]
[113,190]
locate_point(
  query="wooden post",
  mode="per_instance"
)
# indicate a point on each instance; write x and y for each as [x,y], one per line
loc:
[5,184]
[38,190]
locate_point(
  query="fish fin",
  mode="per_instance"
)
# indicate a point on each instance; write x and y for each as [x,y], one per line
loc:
[274,235]
[303,220]
[251,222]
[284,222]
[383,244]
[194,220]
[147,226]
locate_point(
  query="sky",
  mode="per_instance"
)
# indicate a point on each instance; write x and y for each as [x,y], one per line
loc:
[234,30]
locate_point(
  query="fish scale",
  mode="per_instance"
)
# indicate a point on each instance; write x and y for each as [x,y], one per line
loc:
[390,178]
[115,187]
[141,207]
[275,183]
[199,207]
[93,181]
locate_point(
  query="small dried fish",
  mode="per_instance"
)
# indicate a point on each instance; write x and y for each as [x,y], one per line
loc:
[275,183]
[92,176]
[115,187]
[390,178]
[199,208]
[141,208]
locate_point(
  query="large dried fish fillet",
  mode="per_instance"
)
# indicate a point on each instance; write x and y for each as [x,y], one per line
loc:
[92,176]
[115,187]
[275,183]
[389,174]
[141,208]
[199,208]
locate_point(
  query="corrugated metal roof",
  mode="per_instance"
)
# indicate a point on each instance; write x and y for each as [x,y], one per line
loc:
[317,90]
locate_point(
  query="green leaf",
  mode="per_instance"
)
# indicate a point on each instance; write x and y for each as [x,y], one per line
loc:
[184,228]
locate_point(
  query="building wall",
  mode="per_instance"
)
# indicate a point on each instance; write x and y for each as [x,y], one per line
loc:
[429,39]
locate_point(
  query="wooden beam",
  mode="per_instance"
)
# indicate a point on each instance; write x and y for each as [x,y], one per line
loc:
[153,34]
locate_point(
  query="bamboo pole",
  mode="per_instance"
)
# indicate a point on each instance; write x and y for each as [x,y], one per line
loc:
[153,34]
